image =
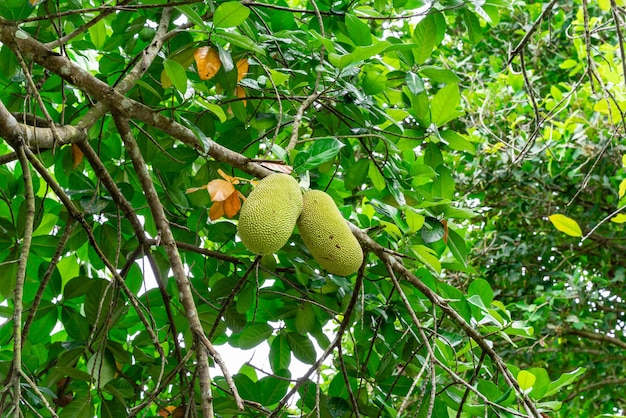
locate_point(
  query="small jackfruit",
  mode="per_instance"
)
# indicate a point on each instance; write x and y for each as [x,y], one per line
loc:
[327,235]
[269,214]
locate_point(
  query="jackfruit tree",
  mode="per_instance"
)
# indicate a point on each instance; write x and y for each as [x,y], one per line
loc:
[324,209]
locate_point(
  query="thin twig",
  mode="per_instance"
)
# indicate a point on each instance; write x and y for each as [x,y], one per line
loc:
[530,31]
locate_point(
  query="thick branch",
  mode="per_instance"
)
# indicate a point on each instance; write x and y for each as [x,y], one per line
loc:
[124,106]
[598,337]
[36,137]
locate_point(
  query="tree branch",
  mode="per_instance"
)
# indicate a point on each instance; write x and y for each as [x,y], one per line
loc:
[398,267]
[34,136]
[598,337]
[176,264]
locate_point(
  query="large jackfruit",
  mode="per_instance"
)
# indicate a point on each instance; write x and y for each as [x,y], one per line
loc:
[327,235]
[269,214]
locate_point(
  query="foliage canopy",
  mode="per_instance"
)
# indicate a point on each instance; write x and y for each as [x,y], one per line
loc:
[476,147]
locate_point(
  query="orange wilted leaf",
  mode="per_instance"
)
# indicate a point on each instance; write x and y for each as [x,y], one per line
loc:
[241,93]
[216,211]
[208,62]
[232,205]
[167,411]
[233,180]
[77,155]
[242,68]
[220,190]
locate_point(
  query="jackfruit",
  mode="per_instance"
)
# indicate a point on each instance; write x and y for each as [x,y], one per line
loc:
[269,214]
[327,235]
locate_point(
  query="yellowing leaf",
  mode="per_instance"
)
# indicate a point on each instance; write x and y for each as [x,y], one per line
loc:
[622,188]
[624,160]
[526,380]
[566,225]
[77,155]
[241,93]
[242,68]
[619,219]
[220,190]
[208,62]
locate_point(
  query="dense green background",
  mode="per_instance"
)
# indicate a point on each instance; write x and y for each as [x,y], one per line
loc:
[448,131]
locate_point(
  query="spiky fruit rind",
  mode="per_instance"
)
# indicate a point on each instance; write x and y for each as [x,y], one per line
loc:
[327,235]
[269,214]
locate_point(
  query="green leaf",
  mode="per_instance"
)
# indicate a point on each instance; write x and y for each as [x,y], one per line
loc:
[254,335]
[80,407]
[113,408]
[176,74]
[481,288]
[564,380]
[302,348]
[458,247]
[443,107]
[414,83]
[358,30]
[443,184]
[374,82]
[439,75]
[305,318]
[192,15]
[457,142]
[376,177]
[526,380]
[433,230]
[566,225]
[322,150]
[241,41]
[360,53]
[213,108]
[273,389]
[356,175]
[472,23]
[541,384]
[230,14]
[414,220]
[424,37]
[280,353]
[98,34]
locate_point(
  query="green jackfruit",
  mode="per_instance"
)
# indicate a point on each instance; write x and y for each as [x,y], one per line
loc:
[269,214]
[327,235]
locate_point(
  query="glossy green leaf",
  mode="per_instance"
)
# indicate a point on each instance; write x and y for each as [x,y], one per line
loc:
[322,150]
[424,37]
[280,353]
[176,74]
[98,34]
[230,14]
[443,107]
[302,348]
[80,407]
[254,335]
[481,288]
[564,380]
[358,31]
